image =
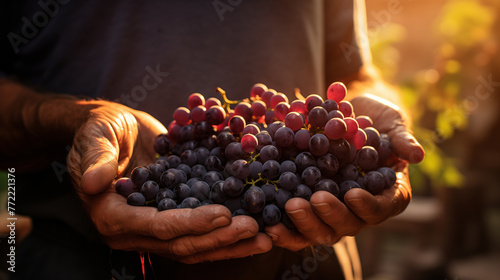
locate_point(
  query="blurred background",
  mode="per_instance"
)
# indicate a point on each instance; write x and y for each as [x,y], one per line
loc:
[445,57]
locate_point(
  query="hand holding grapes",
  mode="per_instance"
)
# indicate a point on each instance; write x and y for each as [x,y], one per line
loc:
[115,139]
[325,219]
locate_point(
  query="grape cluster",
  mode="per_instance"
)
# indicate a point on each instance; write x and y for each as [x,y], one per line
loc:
[265,151]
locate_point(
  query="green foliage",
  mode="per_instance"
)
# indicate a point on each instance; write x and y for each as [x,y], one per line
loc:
[435,94]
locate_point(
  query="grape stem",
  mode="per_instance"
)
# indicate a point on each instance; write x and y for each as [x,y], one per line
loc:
[227,102]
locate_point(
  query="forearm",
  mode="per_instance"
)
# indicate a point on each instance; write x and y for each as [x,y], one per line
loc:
[34,126]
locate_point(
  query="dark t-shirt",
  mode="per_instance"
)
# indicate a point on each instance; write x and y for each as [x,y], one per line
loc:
[150,55]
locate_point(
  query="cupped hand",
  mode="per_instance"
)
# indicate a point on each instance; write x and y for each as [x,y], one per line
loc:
[108,145]
[325,219]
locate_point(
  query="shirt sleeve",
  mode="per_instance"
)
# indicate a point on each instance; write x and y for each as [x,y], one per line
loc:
[346,43]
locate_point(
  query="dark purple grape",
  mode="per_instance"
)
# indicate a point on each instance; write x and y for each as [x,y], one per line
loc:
[282,197]
[187,133]
[328,165]
[284,137]
[263,139]
[385,148]
[189,145]
[219,152]
[184,168]
[311,176]
[335,114]
[182,191]
[224,138]
[329,186]
[270,169]
[318,116]
[255,199]
[330,105]
[213,163]
[149,189]
[234,151]
[302,191]
[389,176]
[271,215]
[251,129]
[164,193]
[233,186]
[206,202]
[140,175]
[155,171]
[241,212]
[166,204]
[209,143]
[372,137]
[163,161]
[236,124]
[211,177]
[240,169]
[312,101]
[216,194]
[319,144]
[125,187]
[367,158]
[345,186]
[200,190]
[269,152]
[201,154]
[162,144]
[173,160]
[289,166]
[191,181]
[374,182]
[288,181]
[341,149]
[198,171]
[302,138]
[189,157]
[190,202]
[255,170]
[349,172]
[304,160]
[202,130]
[177,149]
[272,128]
[136,199]
[270,192]
[215,115]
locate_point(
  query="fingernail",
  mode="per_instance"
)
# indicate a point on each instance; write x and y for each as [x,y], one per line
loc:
[323,208]
[245,235]
[273,236]
[298,214]
[221,221]
[357,202]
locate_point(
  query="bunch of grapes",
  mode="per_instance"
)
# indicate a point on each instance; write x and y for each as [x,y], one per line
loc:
[253,159]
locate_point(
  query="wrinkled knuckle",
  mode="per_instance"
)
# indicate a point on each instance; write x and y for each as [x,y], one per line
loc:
[182,248]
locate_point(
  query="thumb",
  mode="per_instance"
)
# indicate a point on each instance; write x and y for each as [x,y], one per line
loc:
[99,176]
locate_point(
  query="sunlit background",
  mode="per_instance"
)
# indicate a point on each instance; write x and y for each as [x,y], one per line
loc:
[445,57]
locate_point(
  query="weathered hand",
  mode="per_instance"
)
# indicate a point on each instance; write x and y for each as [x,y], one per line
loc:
[108,145]
[325,219]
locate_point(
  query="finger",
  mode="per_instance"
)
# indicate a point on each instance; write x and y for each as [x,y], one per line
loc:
[241,227]
[113,217]
[287,238]
[335,214]
[308,223]
[259,244]
[375,209]
[405,145]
